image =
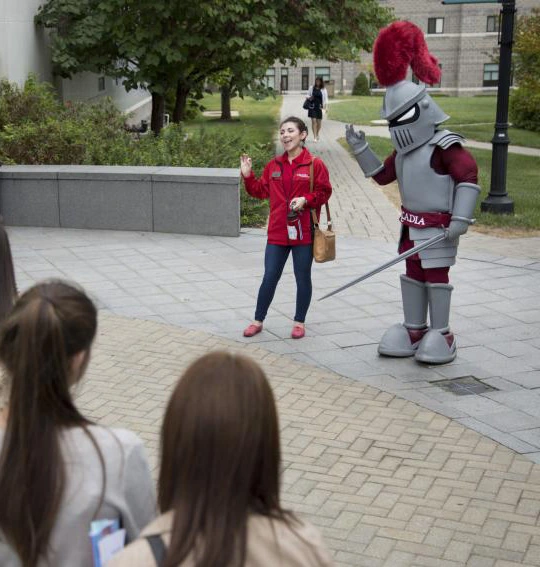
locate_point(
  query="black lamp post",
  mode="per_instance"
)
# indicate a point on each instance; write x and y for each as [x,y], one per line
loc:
[497,200]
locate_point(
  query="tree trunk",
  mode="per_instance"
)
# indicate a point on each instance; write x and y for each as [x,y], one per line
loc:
[182,93]
[158,112]
[225,103]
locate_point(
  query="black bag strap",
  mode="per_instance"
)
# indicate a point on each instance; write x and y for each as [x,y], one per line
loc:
[157,545]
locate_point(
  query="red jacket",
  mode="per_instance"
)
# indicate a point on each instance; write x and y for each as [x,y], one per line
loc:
[276,184]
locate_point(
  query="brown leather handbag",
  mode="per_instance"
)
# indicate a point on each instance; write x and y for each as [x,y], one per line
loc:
[324,240]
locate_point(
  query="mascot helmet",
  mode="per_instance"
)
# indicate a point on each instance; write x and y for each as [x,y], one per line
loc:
[411,113]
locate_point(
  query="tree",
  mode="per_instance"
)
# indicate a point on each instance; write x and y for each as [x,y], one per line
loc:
[158,44]
[164,44]
[525,100]
[334,30]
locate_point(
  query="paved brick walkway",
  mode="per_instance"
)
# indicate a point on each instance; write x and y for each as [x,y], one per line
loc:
[358,206]
[387,482]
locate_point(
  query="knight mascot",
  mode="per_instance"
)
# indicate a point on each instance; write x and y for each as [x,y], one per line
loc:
[437,181]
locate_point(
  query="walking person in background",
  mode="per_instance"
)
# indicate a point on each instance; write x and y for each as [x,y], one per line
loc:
[219,479]
[58,471]
[286,183]
[319,96]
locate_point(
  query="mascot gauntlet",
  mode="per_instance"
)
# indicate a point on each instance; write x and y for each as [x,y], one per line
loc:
[368,161]
[466,195]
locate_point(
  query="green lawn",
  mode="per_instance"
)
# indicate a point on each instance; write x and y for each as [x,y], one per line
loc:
[522,185]
[473,117]
[258,120]
[256,127]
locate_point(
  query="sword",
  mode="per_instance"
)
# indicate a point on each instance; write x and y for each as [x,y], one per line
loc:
[402,256]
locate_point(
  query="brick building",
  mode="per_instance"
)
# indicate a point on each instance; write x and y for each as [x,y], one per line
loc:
[463,37]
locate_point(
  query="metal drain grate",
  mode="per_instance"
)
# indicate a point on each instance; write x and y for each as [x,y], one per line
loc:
[464,386]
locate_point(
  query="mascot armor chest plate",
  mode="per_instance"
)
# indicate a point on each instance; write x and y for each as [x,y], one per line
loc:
[421,188]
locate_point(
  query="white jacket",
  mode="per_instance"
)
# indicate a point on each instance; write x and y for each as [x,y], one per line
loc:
[129,494]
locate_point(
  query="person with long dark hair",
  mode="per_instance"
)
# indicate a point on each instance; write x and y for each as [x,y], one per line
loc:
[286,183]
[219,479]
[318,95]
[8,291]
[58,471]
[8,287]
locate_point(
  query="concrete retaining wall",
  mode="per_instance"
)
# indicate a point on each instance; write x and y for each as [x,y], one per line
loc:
[162,199]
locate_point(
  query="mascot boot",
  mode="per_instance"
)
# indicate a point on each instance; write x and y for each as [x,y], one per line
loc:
[402,340]
[438,345]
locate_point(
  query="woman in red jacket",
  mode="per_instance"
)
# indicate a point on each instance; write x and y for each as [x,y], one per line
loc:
[286,183]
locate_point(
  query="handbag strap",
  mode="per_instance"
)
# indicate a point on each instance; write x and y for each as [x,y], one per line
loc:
[157,545]
[313,213]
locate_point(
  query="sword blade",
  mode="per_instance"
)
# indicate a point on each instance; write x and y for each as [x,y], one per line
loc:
[402,256]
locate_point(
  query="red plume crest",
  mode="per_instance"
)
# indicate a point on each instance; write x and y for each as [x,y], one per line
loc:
[397,46]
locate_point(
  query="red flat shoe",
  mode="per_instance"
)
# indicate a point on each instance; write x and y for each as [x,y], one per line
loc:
[252,330]
[298,331]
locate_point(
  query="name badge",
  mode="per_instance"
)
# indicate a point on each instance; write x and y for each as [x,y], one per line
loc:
[293,234]
[276,174]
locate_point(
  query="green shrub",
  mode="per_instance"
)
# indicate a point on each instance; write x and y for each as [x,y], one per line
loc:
[36,129]
[525,101]
[46,142]
[525,108]
[33,103]
[361,86]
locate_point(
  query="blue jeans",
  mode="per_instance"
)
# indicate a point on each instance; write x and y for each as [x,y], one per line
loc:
[274,262]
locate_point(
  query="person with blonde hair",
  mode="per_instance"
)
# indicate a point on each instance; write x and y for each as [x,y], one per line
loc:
[219,478]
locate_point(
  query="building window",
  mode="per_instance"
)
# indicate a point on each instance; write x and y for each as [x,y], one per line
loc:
[373,83]
[323,72]
[491,74]
[492,24]
[305,78]
[284,85]
[435,25]
[101,84]
[270,78]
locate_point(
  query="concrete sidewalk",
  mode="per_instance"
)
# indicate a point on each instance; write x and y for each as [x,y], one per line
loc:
[210,284]
[395,469]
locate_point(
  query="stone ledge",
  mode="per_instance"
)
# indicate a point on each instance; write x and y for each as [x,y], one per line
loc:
[166,199]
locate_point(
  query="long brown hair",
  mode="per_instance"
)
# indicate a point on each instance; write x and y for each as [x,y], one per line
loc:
[8,287]
[220,459]
[49,324]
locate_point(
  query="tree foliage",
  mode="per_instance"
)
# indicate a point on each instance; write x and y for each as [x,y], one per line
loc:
[173,44]
[525,100]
